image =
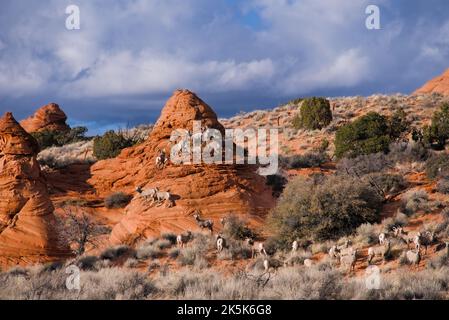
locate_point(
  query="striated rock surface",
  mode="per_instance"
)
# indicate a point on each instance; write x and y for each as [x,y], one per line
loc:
[439,84]
[27,222]
[47,118]
[214,190]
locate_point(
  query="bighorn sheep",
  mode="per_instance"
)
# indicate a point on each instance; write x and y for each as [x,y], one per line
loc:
[161,159]
[183,238]
[398,231]
[345,249]
[334,252]
[256,248]
[147,193]
[203,224]
[221,243]
[164,196]
[308,263]
[271,264]
[349,260]
[413,257]
[383,251]
[426,239]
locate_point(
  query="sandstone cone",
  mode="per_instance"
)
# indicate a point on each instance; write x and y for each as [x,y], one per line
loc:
[439,84]
[47,118]
[215,190]
[26,212]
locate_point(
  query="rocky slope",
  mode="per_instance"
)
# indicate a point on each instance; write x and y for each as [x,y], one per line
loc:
[26,213]
[46,118]
[215,190]
[439,84]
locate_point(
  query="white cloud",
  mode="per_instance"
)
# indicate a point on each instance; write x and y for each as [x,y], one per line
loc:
[152,47]
[125,74]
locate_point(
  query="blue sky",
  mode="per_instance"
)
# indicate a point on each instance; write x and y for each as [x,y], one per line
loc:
[129,56]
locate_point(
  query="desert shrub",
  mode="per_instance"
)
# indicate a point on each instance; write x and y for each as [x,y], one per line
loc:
[52,266]
[401,152]
[63,156]
[327,210]
[363,164]
[111,144]
[116,283]
[413,201]
[188,256]
[308,160]
[49,138]
[88,263]
[443,185]
[389,183]
[148,251]
[170,237]
[399,219]
[115,252]
[438,132]
[437,165]
[367,233]
[236,228]
[173,253]
[236,250]
[163,244]
[309,284]
[196,251]
[315,113]
[277,183]
[117,200]
[320,247]
[131,263]
[367,134]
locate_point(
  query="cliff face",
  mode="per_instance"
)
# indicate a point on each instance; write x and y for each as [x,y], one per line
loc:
[215,190]
[439,84]
[26,213]
[47,118]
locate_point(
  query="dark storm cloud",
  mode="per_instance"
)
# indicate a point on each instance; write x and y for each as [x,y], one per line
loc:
[129,56]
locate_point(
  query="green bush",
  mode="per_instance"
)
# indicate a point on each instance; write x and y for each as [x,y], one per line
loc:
[47,139]
[437,133]
[368,134]
[329,209]
[110,144]
[311,159]
[315,113]
[398,124]
[277,183]
[236,228]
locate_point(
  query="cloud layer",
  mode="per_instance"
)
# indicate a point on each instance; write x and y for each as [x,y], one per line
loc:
[131,55]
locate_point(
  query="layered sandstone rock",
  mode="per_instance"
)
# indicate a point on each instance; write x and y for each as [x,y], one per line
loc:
[47,118]
[439,84]
[214,190]
[26,213]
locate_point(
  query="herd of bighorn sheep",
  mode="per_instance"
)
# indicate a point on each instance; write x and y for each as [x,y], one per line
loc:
[346,254]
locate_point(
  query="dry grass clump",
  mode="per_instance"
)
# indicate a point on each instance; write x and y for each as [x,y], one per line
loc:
[60,157]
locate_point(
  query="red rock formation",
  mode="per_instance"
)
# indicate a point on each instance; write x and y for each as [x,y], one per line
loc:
[439,84]
[26,212]
[49,117]
[216,190]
